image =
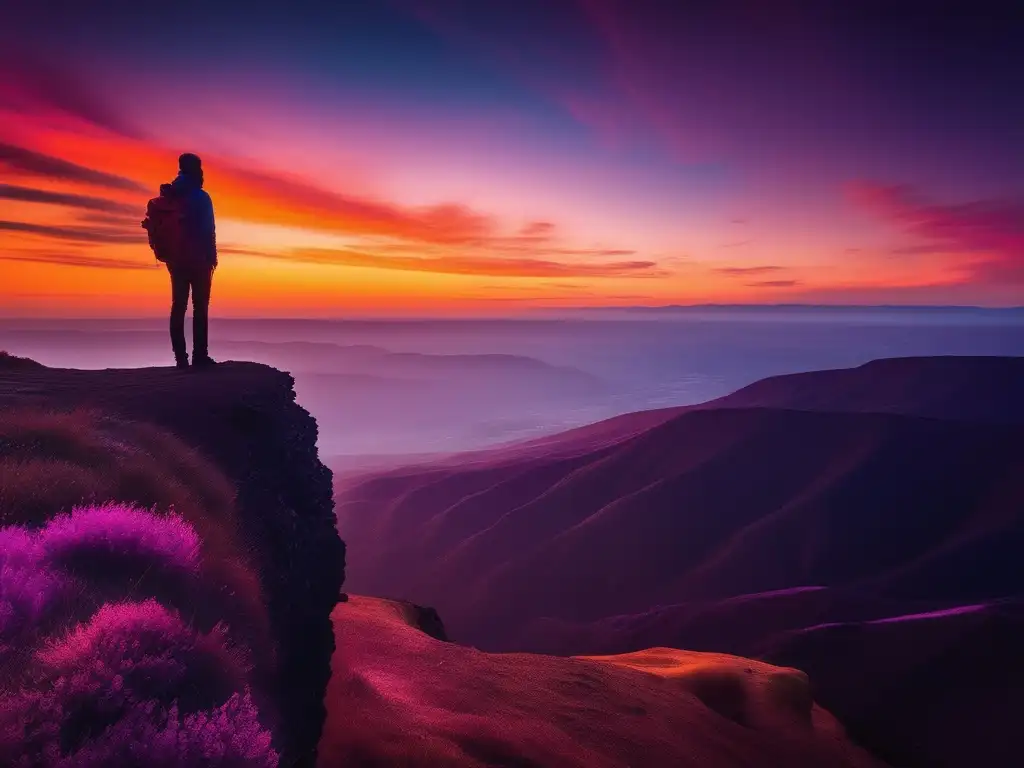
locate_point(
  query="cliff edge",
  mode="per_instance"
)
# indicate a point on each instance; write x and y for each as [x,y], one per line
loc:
[241,419]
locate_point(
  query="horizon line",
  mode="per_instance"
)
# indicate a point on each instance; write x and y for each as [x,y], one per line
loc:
[547,313]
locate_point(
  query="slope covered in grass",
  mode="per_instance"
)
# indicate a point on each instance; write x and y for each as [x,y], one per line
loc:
[399,697]
[132,623]
[841,498]
[707,506]
[104,657]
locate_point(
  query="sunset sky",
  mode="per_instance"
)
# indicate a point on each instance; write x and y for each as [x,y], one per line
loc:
[462,157]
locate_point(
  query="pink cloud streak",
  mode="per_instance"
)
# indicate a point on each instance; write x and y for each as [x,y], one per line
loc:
[990,230]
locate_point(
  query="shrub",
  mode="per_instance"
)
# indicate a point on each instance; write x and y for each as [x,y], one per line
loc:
[29,593]
[135,684]
[52,463]
[229,736]
[124,546]
[121,530]
[132,625]
[131,653]
[90,704]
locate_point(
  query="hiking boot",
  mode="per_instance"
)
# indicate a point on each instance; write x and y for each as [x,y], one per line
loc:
[204,361]
[181,363]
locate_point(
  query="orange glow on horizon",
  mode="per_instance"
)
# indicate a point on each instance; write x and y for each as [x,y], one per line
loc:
[294,246]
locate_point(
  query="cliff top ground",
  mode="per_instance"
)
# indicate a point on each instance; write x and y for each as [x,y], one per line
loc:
[153,394]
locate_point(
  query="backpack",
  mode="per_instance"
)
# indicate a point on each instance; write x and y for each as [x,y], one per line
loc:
[165,223]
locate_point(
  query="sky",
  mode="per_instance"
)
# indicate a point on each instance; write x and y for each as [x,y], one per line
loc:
[457,157]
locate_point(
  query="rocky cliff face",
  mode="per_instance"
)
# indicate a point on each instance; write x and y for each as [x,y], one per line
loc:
[244,419]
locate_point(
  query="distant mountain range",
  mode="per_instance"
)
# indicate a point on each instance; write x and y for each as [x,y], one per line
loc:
[909,308]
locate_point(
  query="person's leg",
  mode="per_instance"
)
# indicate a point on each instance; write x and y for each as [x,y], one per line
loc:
[179,303]
[201,284]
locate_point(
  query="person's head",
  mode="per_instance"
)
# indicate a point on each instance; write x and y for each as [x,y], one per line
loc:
[191,165]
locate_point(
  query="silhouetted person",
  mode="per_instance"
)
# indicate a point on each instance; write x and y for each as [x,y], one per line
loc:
[183,236]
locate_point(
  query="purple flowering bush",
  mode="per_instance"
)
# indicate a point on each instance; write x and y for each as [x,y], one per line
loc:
[29,593]
[229,736]
[52,462]
[122,551]
[101,660]
[121,531]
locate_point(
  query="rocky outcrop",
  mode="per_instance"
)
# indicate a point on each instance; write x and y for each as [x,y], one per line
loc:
[244,419]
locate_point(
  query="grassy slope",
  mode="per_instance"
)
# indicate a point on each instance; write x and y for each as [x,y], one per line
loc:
[131,622]
[399,697]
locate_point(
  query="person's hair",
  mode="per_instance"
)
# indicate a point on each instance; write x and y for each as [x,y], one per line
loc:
[191,164]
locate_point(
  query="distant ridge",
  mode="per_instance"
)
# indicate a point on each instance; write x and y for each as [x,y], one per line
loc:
[13,362]
[960,388]
[529,314]
[910,308]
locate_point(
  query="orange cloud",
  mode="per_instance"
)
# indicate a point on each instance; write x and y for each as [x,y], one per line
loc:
[71,259]
[269,197]
[438,235]
[456,264]
[282,199]
[78,177]
[774,284]
[747,271]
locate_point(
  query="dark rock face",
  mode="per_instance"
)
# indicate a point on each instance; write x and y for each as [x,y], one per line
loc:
[243,417]
[285,496]
[932,689]
[428,620]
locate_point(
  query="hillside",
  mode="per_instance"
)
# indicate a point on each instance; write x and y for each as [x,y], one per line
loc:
[961,388]
[661,518]
[401,697]
[841,497]
[934,688]
[977,389]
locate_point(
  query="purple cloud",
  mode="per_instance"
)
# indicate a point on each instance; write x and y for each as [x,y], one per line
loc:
[78,234]
[74,260]
[19,160]
[31,83]
[85,202]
